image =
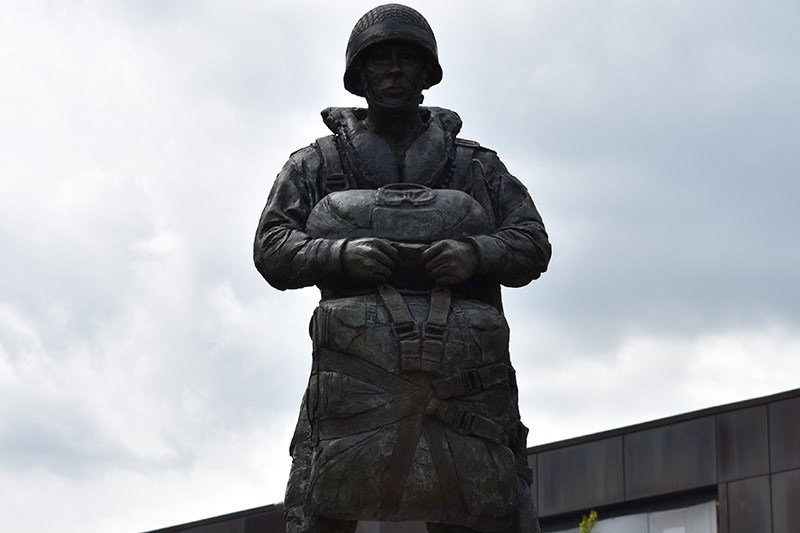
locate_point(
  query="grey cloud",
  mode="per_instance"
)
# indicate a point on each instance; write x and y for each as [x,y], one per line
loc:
[682,215]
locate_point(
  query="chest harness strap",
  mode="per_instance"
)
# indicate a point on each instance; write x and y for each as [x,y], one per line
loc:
[419,351]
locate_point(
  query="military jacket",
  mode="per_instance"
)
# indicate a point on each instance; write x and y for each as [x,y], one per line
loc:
[415,389]
[516,251]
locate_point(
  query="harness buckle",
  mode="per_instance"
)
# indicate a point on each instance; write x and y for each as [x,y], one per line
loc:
[471,380]
[464,420]
[405,329]
[434,331]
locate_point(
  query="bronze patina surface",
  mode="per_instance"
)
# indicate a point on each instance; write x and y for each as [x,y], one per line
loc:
[409,231]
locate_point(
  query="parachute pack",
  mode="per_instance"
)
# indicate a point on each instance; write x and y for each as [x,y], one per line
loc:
[411,387]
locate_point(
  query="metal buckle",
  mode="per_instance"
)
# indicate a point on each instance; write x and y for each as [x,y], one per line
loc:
[335,182]
[434,331]
[405,329]
[464,421]
[472,381]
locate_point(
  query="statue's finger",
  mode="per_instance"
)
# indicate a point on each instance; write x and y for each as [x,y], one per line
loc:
[386,247]
[384,260]
[392,253]
[380,272]
[434,250]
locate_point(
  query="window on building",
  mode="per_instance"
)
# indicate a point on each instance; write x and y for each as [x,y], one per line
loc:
[695,519]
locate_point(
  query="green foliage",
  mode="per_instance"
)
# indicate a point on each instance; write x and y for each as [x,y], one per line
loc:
[587,522]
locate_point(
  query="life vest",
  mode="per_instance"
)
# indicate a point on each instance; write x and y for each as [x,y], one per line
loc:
[410,398]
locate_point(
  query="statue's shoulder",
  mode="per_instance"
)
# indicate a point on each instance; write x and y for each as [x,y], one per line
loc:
[467,150]
[469,145]
[304,163]
[306,154]
[320,165]
[326,149]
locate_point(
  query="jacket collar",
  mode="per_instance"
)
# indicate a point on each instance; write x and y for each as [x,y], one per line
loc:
[428,161]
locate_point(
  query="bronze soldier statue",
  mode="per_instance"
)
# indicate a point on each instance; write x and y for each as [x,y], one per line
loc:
[411,411]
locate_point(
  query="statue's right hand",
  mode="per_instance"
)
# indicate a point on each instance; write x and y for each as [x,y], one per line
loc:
[369,259]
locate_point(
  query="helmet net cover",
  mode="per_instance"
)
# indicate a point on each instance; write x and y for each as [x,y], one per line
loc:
[390,22]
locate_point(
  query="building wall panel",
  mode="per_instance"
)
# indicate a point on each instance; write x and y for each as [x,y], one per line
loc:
[263,522]
[749,506]
[672,458]
[784,435]
[742,444]
[786,502]
[580,477]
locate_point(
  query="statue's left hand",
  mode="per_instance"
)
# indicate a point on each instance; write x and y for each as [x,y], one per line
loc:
[449,261]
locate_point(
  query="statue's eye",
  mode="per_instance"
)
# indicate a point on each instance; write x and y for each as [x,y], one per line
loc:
[379,58]
[409,58]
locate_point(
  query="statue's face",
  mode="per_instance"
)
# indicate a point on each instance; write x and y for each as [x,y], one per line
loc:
[394,72]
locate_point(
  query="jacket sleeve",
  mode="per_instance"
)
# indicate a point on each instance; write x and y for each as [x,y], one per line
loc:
[519,250]
[284,254]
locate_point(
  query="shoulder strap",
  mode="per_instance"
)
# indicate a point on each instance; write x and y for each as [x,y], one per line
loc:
[469,171]
[465,151]
[333,177]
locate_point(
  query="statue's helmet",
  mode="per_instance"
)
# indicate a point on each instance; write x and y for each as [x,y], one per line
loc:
[390,22]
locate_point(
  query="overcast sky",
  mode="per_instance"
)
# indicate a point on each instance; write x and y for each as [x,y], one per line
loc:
[149,376]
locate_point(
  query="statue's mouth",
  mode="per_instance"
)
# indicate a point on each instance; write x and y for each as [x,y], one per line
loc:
[394,90]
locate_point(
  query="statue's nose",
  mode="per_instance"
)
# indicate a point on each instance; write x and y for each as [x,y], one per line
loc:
[394,62]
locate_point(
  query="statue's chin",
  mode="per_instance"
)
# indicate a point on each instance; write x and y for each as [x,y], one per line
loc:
[394,106]
[394,109]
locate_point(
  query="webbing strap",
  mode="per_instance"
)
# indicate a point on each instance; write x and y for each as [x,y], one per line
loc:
[471,381]
[410,399]
[333,175]
[444,463]
[466,422]
[396,305]
[465,150]
[363,370]
[440,307]
[433,331]
[472,170]
[405,445]
[409,406]
[404,327]
[393,411]
[460,419]
[418,353]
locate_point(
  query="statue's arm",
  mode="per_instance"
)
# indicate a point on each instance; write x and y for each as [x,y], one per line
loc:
[519,250]
[284,254]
